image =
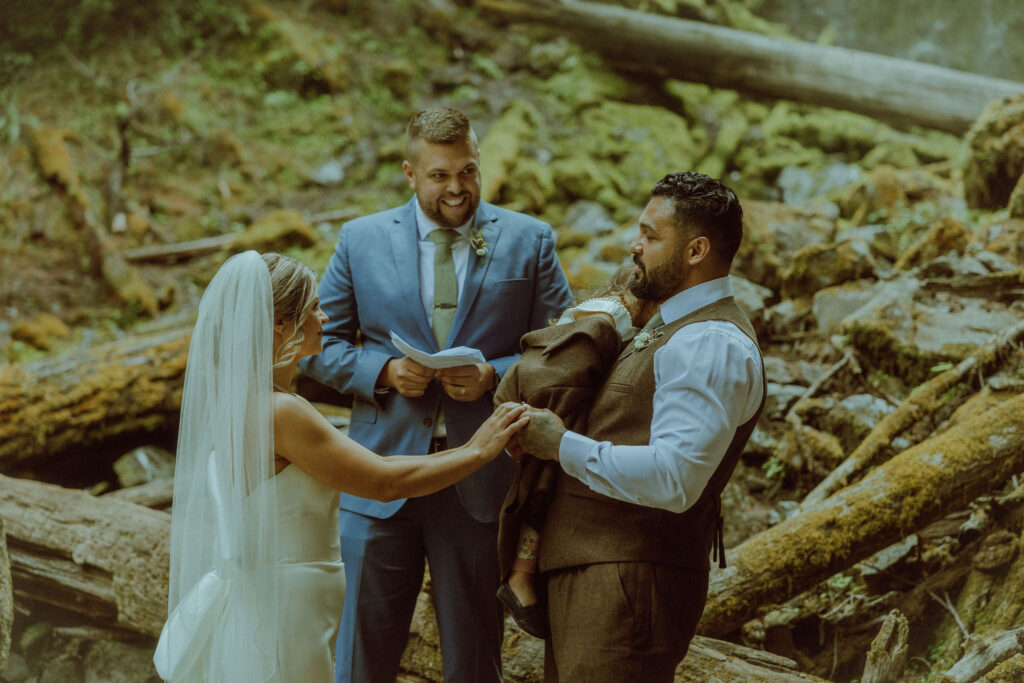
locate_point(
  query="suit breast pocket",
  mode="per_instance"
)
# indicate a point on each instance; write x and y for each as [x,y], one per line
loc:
[619,387]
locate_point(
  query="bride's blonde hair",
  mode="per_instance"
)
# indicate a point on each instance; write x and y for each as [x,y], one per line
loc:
[294,287]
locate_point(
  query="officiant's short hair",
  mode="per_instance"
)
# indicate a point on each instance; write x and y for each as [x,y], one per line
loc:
[439,126]
[706,207]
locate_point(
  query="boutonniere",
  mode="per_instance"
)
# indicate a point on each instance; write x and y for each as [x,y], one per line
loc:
[477,242]
[644,339]
[641,341]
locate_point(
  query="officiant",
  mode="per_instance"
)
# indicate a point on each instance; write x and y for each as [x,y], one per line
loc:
[444,270]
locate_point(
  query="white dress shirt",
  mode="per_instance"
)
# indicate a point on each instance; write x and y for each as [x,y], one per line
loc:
[460,256]
[708,382]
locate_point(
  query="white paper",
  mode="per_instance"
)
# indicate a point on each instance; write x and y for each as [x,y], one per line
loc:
[449,358]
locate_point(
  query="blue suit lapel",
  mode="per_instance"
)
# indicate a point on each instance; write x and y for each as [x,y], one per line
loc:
[405,250]
[487,223]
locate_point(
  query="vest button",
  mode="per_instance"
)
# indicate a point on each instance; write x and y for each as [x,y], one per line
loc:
[427,422]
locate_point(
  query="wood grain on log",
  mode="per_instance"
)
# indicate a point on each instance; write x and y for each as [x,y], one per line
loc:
[6,599]
[129,386]
[983,658]
[888,654]
[156,494]
[896,90]
[917,487]
[101,557]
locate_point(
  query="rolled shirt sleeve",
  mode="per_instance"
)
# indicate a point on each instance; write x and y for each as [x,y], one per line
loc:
[708,382]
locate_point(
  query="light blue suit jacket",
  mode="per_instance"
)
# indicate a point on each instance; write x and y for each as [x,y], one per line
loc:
[372,287]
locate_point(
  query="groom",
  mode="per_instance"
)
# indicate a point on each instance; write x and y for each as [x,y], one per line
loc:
[443,270]
[636,509]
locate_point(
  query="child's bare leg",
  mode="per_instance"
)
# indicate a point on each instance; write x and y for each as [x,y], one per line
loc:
[520,579]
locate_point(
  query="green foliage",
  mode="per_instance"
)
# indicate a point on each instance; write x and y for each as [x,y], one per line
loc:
[774,468]
[31,29]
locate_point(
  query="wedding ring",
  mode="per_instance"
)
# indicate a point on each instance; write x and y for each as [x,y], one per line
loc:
[462,391]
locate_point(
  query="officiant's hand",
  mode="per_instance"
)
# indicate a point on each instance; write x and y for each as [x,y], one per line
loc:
[405,375]
[542,436]
[467,382]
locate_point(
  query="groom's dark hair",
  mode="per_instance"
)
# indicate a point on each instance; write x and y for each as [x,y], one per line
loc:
[439,126]
[705,207]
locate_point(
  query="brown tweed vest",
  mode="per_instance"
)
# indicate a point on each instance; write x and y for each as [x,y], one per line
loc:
[584,527]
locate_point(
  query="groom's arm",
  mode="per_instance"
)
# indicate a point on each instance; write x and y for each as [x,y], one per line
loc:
[341,364]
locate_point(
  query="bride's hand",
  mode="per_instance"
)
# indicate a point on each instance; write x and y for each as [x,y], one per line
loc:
[494,433]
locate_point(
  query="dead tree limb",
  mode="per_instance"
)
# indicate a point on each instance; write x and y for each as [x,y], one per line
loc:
[129,386]
[180,250]
[987,655]
[895,90]
[919,404]
[888,654]
[6,599]
[101,557]
[917,487]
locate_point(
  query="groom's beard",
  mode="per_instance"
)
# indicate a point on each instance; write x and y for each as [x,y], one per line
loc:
[660,282]
[434,212]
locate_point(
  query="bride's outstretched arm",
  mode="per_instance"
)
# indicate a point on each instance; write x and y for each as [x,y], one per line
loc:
[305,438]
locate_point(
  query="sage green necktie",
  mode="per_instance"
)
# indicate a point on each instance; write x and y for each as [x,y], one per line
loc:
[446,286]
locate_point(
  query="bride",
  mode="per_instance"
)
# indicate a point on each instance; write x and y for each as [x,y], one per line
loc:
[256,574]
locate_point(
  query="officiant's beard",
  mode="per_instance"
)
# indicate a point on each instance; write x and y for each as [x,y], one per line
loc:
[660,282]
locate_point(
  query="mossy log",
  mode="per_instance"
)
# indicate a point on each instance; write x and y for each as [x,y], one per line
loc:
[921,403]
[6,599]
[101,557]
[129,386]
[896,90]
[917,487]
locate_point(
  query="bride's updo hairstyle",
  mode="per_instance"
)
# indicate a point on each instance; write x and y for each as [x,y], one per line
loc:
[294,287]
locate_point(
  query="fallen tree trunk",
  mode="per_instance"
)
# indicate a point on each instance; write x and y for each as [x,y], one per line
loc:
[922,402]
[895,90]
[101,557]
[6,599]
[987,655]
[917,487]
[129,386]
[156,494]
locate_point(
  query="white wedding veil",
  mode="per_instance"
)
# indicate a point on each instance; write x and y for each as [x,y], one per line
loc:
[222,604]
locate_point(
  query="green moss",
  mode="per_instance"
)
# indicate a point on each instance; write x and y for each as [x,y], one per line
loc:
[892,355]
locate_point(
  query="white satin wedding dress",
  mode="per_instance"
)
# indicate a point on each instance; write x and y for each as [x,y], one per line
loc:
[310,587]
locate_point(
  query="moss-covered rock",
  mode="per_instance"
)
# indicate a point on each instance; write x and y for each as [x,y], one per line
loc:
[503,144]
[1006,238]
[221,149]
[627,148]
[52,157]
[275,231]
[41,331]
[298,57]
[995,153]
[773,233]
[944,235]
[1016,203]
[817,266]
